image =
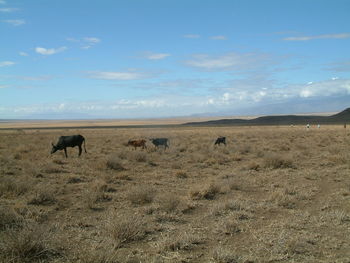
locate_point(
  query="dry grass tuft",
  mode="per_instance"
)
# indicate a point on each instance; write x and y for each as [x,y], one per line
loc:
[225,255]
[9,219]
[12,187]
[275,161]
[52,169]
[96,193]
[181,174]
[115,163]
[126,228]
[43,197]
[209,192]
[139,156]
[140,195]
[33,243]
[181,241]
[229,227]
[169,203]
[227,206]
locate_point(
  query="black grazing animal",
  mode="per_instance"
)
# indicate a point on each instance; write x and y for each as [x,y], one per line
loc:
[220,140]
[68,141]
[160,141]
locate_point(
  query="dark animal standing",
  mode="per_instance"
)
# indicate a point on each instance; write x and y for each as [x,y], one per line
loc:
[137,143]
[220,140]
[160,141]
[69,141]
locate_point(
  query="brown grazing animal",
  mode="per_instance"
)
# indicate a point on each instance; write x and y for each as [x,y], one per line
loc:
[137,143]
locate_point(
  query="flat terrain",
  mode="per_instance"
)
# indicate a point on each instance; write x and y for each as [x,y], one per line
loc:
[30,124]
[273,194]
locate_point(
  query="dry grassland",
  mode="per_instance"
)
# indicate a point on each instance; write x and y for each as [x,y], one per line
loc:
[273,194]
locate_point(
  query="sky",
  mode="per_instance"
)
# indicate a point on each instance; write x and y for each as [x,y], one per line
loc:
[77,59]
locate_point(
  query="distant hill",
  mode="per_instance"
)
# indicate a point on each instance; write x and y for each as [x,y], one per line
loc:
[339,118]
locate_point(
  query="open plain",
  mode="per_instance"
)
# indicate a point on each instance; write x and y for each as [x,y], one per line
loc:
[273,194]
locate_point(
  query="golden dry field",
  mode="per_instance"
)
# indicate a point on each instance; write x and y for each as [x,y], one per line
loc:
[273,194]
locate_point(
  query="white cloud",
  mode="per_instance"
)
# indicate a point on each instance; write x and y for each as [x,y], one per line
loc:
[23,54]
[93,40]
[117,75]
[15,22]
[327,36]
[49,51]
[191,36]
[6,63]
[162,105]
[340,66]
[228,61]
[86,42]
[155,56]
[3,86]
[305,93]
[218,38]
[72,39]
[332,87]
[8,10]
[61,106]
[36,78]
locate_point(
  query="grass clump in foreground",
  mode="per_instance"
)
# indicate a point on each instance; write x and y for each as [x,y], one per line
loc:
[115,163]
[124,229]
[141,195]
[32,243]
[208,192]
[275,161]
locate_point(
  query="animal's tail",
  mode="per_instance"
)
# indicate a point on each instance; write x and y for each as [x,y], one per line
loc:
[84,146]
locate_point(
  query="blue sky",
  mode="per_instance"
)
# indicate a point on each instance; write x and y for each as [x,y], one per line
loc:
[161,58]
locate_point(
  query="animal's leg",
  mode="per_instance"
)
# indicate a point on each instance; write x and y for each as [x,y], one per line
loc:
[85,147]
[65,152]
[80,150]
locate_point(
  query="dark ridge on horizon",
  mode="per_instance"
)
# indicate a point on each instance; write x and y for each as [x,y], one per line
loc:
[339,118]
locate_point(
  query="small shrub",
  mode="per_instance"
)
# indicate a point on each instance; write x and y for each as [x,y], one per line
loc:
[53,169]
[96,193]
[275,161]
[254,166]
[59,161]
[74,180]
[140,157]
[115,163]
[43,197]
[283,199]
[9,219]
[13,187]
[245,149]
[181,241]
[224,255]
[231,227]
[208,192]
[99,255]
[141,195]
[223,208]
[30,244]
[169,203]
[126,228]
[181,174]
